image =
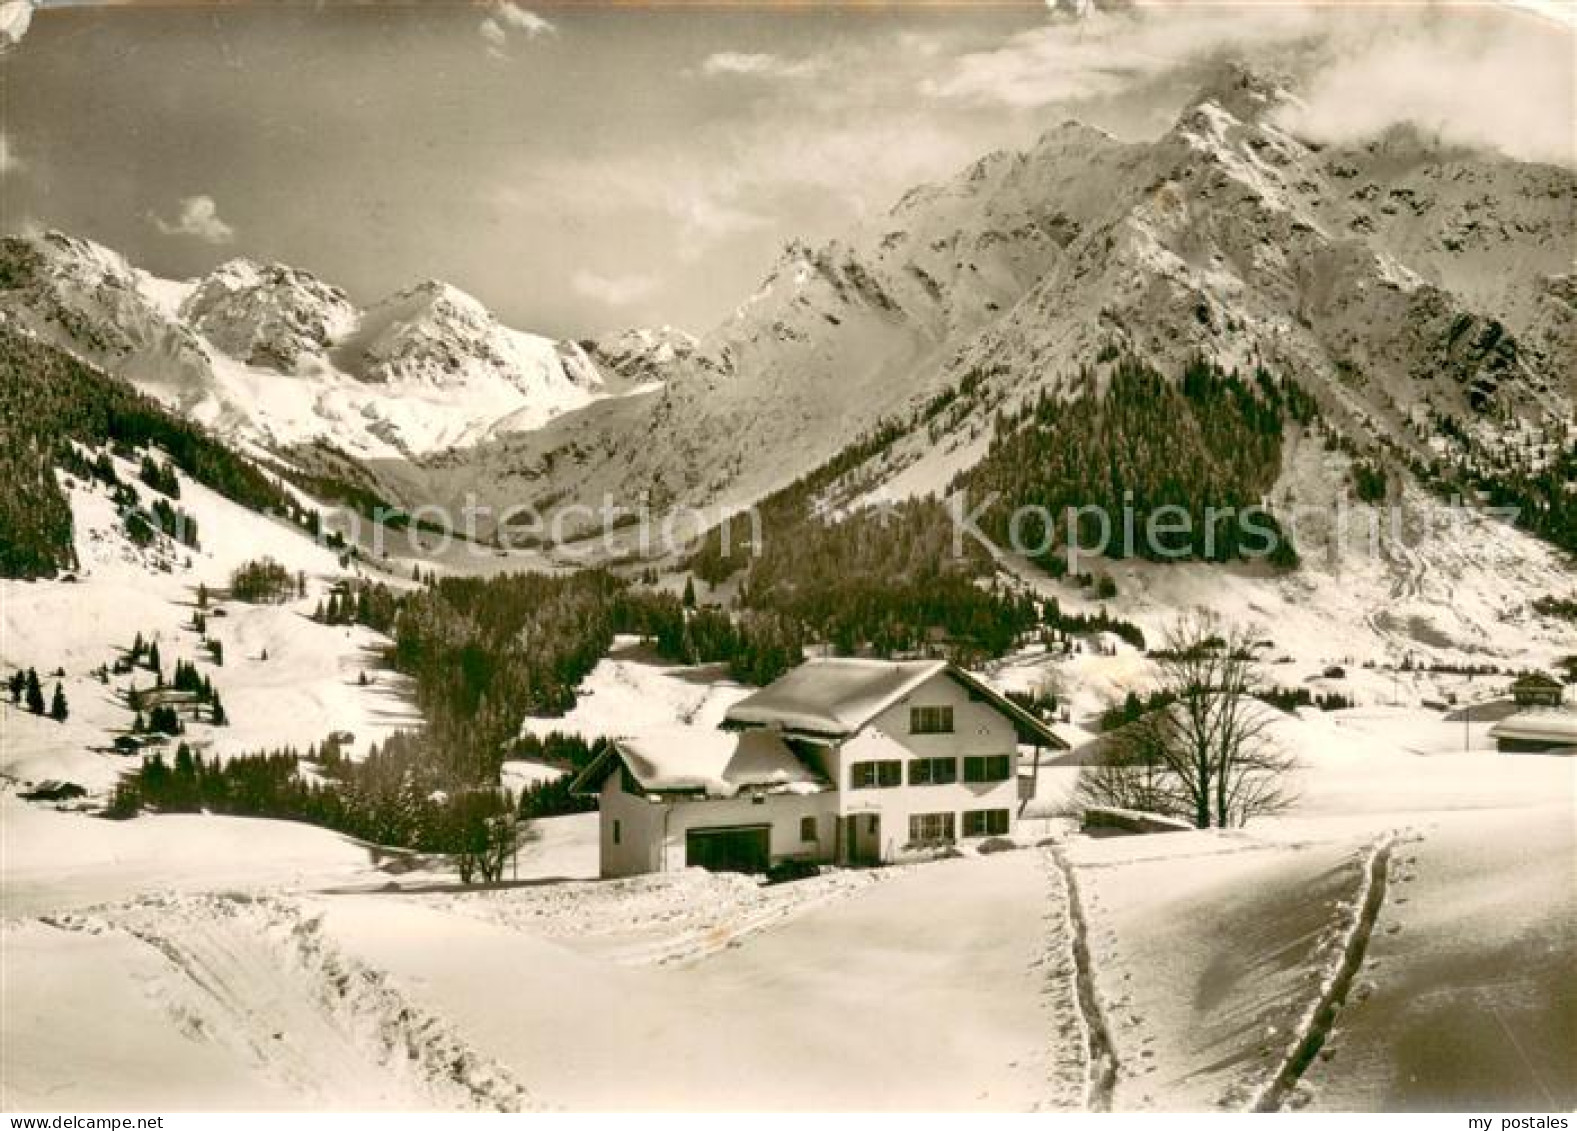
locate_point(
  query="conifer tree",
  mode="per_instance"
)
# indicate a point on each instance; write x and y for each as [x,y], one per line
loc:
[35,693]
[57,707]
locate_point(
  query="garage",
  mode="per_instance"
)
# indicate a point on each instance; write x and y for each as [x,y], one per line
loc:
[742,848]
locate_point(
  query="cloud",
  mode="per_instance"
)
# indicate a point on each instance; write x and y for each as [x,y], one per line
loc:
[9,162]
[1484,87]
[1103,54]
[15,15]
[1496,77]
[504,17]
[758,65]
[198,218]
[615,290]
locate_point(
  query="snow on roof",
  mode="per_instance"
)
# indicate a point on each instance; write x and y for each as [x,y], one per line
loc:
[715,762]
[833,696]
[1547,725]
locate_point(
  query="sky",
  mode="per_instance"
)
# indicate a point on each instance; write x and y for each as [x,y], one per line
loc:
[583,167]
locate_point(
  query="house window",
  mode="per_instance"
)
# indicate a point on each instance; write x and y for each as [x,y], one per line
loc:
[618,832]
[986,822]
[875,775]
[994,767]
[933,771]
[930,720]
[931,828]
[807,829]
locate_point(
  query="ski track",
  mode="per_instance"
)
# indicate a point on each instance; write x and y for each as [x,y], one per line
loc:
[1281,1089]
[1067,1052]
[1074,961]
[1101,1066]
[309,1017]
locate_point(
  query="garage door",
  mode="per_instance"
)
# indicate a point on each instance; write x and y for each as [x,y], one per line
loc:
[739,849]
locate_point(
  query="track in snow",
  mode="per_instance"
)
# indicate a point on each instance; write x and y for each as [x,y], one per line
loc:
[1316,1027]
[257,975]
[1101,1064]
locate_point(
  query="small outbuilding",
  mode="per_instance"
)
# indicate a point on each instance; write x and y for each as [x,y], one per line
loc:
[1536,732]
[1536,689]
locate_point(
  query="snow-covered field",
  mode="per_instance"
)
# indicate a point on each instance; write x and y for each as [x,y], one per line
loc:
[1423,883]
[263,964]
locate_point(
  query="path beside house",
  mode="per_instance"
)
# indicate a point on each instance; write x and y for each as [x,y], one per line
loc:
[932,991]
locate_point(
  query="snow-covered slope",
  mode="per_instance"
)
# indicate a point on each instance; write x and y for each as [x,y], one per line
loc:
[271,355]
[285,679]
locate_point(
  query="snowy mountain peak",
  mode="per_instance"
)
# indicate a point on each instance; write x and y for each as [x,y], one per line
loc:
[269,315]
[82,256]
[445,299]
[432,332]
[1247,93]
[643,357]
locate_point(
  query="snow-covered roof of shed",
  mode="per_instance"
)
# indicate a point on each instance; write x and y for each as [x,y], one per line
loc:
[833,696]
[1551,726]
[686,759]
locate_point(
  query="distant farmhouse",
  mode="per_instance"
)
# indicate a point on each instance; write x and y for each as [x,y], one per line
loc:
[840,761]
[1537,690]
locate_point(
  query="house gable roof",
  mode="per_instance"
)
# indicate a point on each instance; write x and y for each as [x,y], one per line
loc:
[1536,681]
[839,697]
[703,761]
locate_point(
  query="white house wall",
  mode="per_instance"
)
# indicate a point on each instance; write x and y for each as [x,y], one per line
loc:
[639,827]
[978,730]
[781,811]
[651,832]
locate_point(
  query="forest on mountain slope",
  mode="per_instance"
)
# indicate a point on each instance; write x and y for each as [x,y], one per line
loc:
[1142,448]
[50,402]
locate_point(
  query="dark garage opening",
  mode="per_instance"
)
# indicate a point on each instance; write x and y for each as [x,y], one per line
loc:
[743,849]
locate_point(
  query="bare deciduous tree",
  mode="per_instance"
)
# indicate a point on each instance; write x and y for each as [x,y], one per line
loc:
[1206,754]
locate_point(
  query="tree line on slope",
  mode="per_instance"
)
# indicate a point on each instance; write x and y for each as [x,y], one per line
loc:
[886,580]
[48,400]
[391,798]
[1211,441]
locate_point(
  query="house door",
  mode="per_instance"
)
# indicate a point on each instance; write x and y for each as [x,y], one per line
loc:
[741,849]
[861,842]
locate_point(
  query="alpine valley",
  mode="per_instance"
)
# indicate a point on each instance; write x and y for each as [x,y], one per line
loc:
[347,703]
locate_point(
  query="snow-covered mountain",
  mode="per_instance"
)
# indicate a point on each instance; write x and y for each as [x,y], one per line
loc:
[1399,281]
[1393,279]
[268,315]
[641,357]
[270,355]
